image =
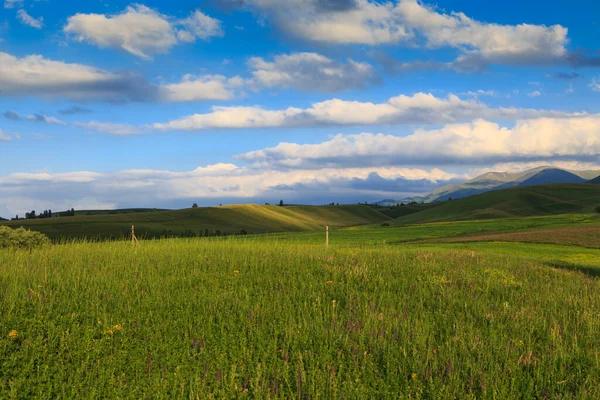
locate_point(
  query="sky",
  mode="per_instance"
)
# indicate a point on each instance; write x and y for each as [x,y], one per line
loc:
[115,104]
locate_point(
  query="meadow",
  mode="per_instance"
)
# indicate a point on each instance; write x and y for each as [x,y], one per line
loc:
[473,298]
[260,317]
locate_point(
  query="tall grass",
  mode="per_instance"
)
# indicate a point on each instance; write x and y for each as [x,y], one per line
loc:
[249,319]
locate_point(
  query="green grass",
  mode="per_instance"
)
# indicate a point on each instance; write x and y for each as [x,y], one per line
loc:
[228,220]
[517,202]
[398,234]
[383,313]
[249,318]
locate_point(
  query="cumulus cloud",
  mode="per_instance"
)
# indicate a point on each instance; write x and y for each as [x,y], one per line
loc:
[419,108]
[26,19]
[311,72]
[595,85]
[413,23]
[37,76]
[213,184]
[478,142]
[141,30]
[535,93]
[198,88]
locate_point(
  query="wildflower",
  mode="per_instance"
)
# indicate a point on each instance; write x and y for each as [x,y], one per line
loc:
[117,327]
[413,376]
[236,272]
[13,334]
[329,282]
[109,332]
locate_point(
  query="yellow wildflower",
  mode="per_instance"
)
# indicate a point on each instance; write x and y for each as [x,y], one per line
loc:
[13,334]
[236,272]
[329,282]
[109,332]
[117,327]
[413,376]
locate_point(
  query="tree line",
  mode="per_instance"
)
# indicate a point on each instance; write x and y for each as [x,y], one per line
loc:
[45,214]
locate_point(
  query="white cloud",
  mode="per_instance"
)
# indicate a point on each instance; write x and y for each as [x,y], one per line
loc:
[311,72]
[37,76]
[221,182]
[535,93]
[419,108]
[199,25]
[14,116]
[480,92]
[595,85]
[27,19]
[479,142]
[111,128]
[4,136]
[13,3]
[141,30]
[413,23]
[45,119]
[570,89]
[198,88]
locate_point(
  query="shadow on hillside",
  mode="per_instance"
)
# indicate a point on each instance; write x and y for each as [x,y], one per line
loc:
[589,271]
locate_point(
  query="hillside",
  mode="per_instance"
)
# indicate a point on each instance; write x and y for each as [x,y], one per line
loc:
[515,202]
[595,181]
[504,180]
[194,221]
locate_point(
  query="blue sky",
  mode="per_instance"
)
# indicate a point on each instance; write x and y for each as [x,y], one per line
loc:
[108,104]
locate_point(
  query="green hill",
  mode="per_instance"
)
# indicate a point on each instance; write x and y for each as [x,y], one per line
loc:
[195,221]
[514,202]
[595,181]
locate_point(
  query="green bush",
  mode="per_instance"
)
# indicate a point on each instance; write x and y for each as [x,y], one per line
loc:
[21,238]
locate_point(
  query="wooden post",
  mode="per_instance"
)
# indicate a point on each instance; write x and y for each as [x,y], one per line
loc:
[133,238]
[327,236]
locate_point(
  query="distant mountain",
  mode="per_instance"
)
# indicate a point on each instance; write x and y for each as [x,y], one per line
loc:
[504,180]
[595,180]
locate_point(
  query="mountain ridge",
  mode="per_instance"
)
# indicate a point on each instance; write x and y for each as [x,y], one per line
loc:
[490,181]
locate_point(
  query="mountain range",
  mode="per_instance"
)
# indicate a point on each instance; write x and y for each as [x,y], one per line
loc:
[501,180]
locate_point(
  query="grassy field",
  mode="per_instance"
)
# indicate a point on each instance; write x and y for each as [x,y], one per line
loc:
[517,202]
[278,316]
[228,220]
[485,308]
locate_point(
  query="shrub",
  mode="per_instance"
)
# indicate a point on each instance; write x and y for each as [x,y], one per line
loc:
[21,238]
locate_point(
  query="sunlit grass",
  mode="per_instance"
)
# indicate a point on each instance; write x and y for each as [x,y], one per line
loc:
[256,319]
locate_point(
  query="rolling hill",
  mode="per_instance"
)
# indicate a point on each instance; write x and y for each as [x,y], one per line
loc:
[513,202]
[195,221]
[595,181]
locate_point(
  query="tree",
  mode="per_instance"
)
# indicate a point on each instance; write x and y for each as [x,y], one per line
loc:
[195,205]
[280,203]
